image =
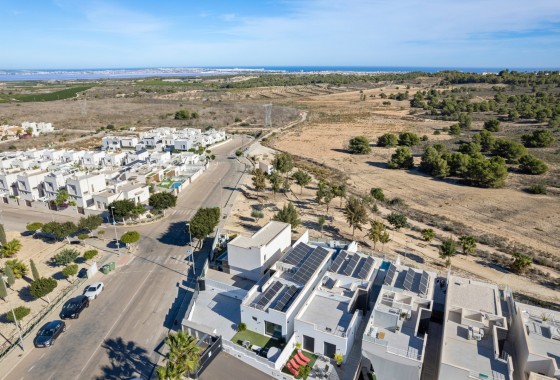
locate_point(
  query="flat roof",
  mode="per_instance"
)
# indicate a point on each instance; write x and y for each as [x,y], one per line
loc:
[328,313]
[543,338]
[474,295]
[217,311]
[229,279]
[262,237]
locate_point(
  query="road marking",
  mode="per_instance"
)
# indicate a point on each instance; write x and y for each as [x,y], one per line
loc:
[42,356]
[30,368]
[113,326]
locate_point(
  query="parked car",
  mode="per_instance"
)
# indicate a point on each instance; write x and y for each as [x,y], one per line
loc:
[73,307]
[93,290]
[82,273]
[48,334]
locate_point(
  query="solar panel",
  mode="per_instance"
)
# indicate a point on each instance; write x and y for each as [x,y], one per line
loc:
[424,282]
[269,294]
[297,254]
[364,272]
[338,261]
[359,267]
[409,279]
[284,301]
[390,274]
[351,265]
[310,265]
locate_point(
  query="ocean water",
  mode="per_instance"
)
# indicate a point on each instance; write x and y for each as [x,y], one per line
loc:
[107,73]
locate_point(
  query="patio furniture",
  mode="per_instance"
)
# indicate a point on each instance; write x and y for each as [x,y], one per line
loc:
[303,358]
[246,344]
[299,361]
[294,364]
[255,348]
[292,370]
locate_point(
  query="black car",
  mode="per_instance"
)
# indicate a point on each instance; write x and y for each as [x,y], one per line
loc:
[48,333]
[74,307]
[82,273]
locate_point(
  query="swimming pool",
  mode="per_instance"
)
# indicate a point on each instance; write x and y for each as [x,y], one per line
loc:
[384,265]
[176,185]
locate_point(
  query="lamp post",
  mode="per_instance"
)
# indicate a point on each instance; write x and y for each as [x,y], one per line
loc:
[14,315]
[191,248]
[116,236]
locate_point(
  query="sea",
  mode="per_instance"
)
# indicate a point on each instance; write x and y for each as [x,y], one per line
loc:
[176,72]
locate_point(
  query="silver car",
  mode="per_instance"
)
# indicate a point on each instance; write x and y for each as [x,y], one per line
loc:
[93,290]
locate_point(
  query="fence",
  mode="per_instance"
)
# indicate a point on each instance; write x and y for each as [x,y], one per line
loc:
[12,341]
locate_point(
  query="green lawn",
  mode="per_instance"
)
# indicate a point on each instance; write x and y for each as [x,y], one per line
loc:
[309,355]
[256,339]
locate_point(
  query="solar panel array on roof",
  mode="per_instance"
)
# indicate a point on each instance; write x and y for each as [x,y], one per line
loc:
[359,267]
[390,274]
[310,265]
[269,294]
[337,263]
[284,302]
[424,282]
[364,272]
[297,254]
[351,265]
[409,279]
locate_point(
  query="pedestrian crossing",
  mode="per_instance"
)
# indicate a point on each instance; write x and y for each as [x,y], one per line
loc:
[186,212]
[170,259]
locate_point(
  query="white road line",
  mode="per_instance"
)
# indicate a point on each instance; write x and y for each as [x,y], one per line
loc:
[30,368]
[42,356]
[113,326]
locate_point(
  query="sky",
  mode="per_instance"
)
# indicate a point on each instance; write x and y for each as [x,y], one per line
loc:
[65,34]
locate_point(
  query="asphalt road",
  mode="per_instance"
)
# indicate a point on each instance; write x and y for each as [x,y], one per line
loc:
[120,334]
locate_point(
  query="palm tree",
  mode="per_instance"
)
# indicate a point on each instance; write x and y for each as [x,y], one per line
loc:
[376,230]
[384,239]
[468,243]
[275,183]
[356,213]
[10,248]
[447,250]
[520,262]
[339,191]
[183,356]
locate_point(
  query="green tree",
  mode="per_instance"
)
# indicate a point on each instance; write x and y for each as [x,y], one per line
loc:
[468,243]
[35,226]
[530,164]
[510,150]
[328,197]
[359,145]
[376,230]
[18,268]
[182,115]
[485,139]
[288,214]
[470,148]
[125,208]
[130,237]
[204,222]
[239,153]
[541,138]
[20,312]
[3,239]
[384,239]
[259,180]
[487,173]
[70,270]
[377,194]
[90,222]
[275,183]
[90,254]
[428,234]
[356,213]
[65,257]
[465,121]
[492,125]
[388,140]
[283,163]
[34,270]
[60,230]
[520,262]
[61,197]
[408,139]
[257,214]
[163,200]
[43,287]
[430,156]
[10,248]
[397,220]
[321,223]
[11,278]
[458,164]
[339,191]
[286,185]
[401,159]
[455,130]
[447,250]
[302,179]
[3,289]
[183,357]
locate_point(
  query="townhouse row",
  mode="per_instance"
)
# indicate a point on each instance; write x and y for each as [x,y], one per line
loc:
[405,323]
[14,132]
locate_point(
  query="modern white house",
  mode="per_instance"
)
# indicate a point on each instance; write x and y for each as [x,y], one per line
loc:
[9,182]
[535,335]
[250,257]
[114,159]
[111,143]
[37,128]
[183,144]
[474,333]
[53,155]
[55,181]
[395,337]
[270,307]
[266,168]
[30,185]
[73,156]
[139,155]
[82,187]
[328,322]
[93,160]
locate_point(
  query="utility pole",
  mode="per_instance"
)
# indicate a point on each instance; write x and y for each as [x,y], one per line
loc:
[191,248]
[116,236]
[14,315]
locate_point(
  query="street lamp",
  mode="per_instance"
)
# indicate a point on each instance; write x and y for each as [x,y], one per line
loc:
[191,248]
[115,227]
[13,315]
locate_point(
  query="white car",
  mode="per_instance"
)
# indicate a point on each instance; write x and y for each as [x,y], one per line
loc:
[93,290]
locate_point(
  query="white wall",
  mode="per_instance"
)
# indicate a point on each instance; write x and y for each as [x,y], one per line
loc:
[389,366]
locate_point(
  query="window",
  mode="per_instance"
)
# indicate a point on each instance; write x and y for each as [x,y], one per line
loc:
[273,329]
[254,319]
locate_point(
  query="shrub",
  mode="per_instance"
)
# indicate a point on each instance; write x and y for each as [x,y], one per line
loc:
[437,132]
[387,140]
[65,257]
[538,139]
[510,150]
[42,287]
[288,214]
[359,145]
[428,234]
[161,201]
[530,164]
[241,327]
[239,153]
[130,237]
[18,268]
[70,270]
[401,159]
[35,226]
[257,214]
[90,254]
[377,193]
[83,236]
[397,220]
[10,248]
[537,189]
[492,125]
[455,130]
[20,312]
[408,139]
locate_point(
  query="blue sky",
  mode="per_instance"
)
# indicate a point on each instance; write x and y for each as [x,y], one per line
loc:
[431,33]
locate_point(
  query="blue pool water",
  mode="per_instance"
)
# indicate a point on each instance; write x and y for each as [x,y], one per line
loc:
[176,185]
[384,265]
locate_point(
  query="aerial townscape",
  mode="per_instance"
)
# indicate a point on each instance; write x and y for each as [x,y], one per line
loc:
[280,190]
